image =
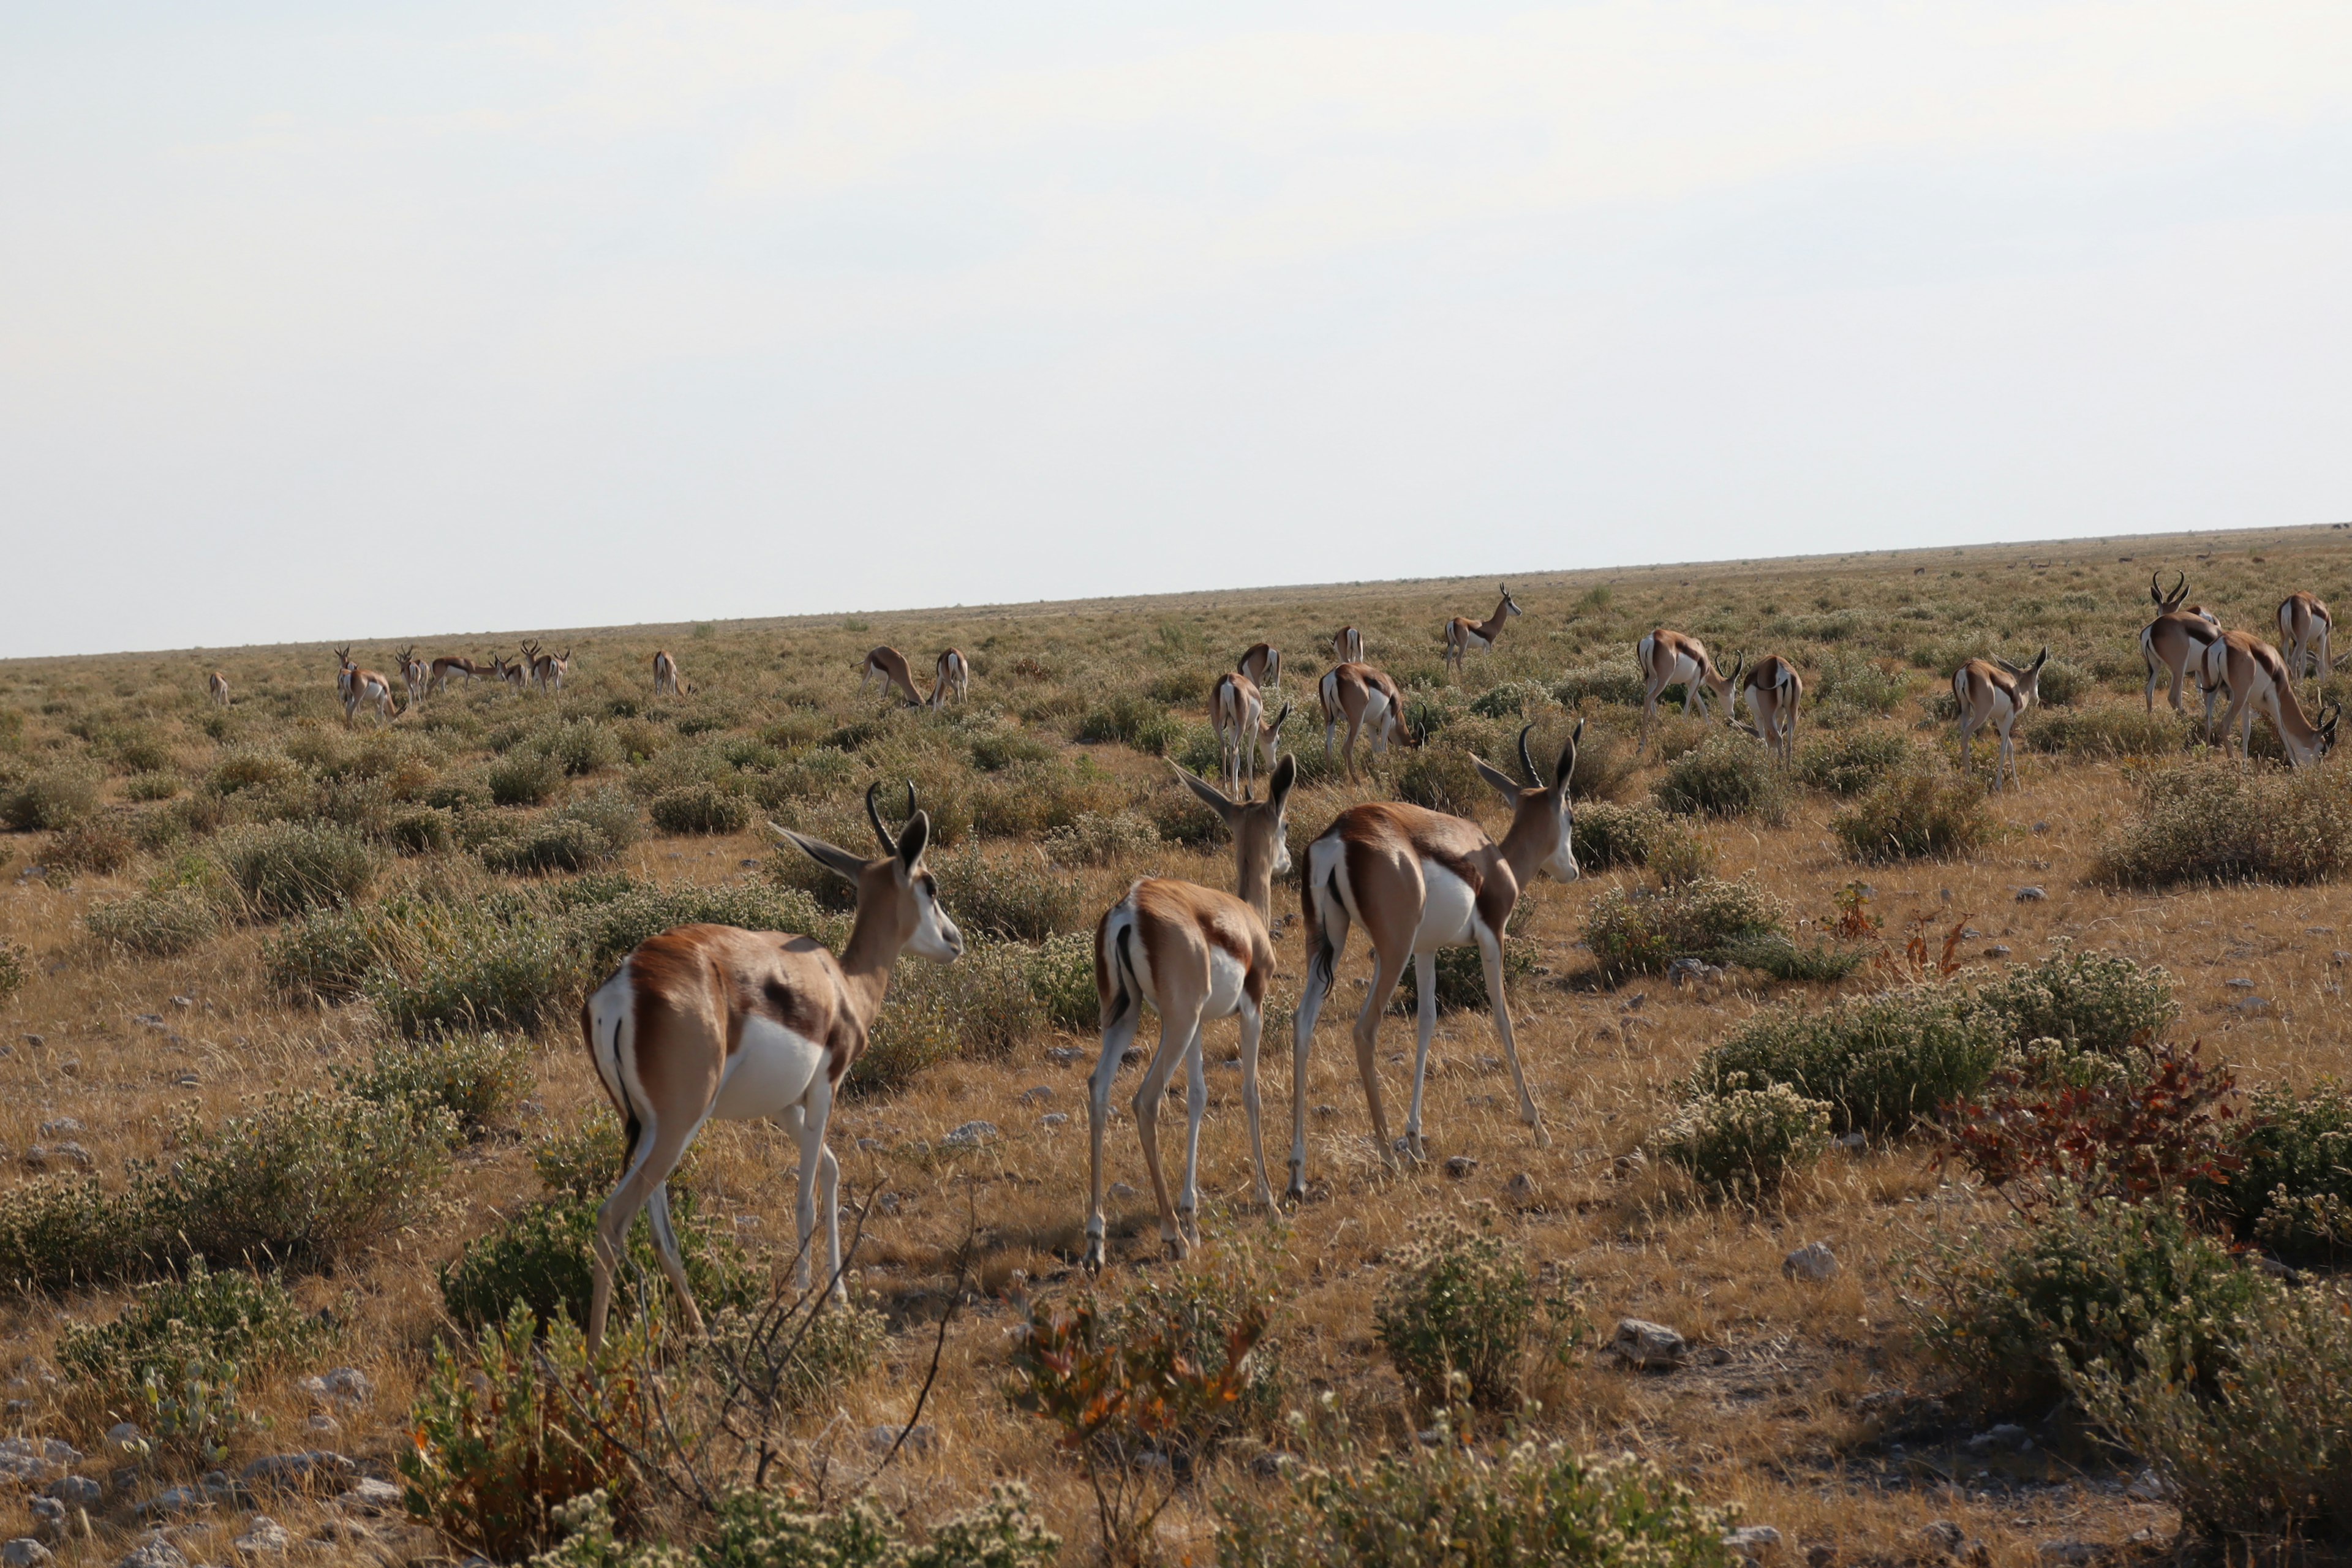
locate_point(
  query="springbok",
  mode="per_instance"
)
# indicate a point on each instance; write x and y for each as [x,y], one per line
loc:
[1419,881]
[888,665]
[413,673]
[2303,626]
[1678,659]
[1237,713]
[1995,692]
[364,688]
[1195,955]
[1773,690]
[219,686]
[2258,676]
[548,669]
[1368,700]
[2175,644]
[448,665]
[665,679]
[1463,634]
[712,1021]
[1348,646]
[516,674]
[1262,664]
[951,676]
[344,673]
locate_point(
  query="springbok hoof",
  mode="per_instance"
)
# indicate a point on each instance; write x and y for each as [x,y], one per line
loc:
[1092,1261]
[1176,1247]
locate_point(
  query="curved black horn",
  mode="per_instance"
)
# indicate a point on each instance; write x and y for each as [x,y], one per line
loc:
[2154,593]
[873,814]
[1528,761]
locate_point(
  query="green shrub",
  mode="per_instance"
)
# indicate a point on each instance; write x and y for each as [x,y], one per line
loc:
[249,1321]
[1062,978]
[1782,958]
[2059,683]
[701,808]
[1882,1062]
[458,794]
[324,956]
[522,778]
[53,798]
[1727,775]
[290,868]
[251,767]
[1632,930]
[456,971]
[1607,837]
[978,1008]
[1855,761]
[2293,1192]
[1459,1302]
[578,836]
[994,751]
[2008,1309]
[2101,1003]
[1440,778]
[580,747]
[1846,679]
[101,844]
[2111,732]
[15,966]
[176,920]
[421,830]
[1099,839]
[1616,681]
[1031,799]
[538,1259]
[1744,1142]
[1018,897]
[150,786]
[1121,717]
[784,1529]
[2260,1453]
[1915,814]
[1461,976]
[478,1080]
[2216,821]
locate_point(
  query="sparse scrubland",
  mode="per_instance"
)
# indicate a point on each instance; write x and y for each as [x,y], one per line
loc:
[304,1152]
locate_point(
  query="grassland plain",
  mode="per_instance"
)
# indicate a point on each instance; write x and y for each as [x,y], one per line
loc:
[201,999]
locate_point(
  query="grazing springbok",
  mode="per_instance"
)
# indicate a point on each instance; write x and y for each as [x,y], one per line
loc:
[219,686]
[712,1021]
[1418,882]
[2304,624]
[364,688]
[665,678]
[1262,664]
[448,665]
[2258,676]
[1463,634]
[1348,646]
[516,674]
[1196,956]
[1678,659]
[2175,643]
[1773,690]
[413,673]
[888,665]
[1368,700]
[951,676]
[1237,713]
[1995,692]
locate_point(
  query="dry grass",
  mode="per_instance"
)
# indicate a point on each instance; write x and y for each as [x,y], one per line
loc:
[1766,1420]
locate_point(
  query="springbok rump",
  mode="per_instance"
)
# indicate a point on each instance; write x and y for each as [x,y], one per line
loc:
[1348,646]
[1369,703]
[2173,643]
[2258,677]
[1995,692]
[219,684]
[1195,955]
[1676,658]
[1262,662]
[1773,690]
[1418,883]
[951,676]
[1463,634]
[667,681]
[710,1021]
[1237,713]
[2303,627]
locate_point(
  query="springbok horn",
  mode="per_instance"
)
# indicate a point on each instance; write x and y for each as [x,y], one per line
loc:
[873,814]
[1528,761]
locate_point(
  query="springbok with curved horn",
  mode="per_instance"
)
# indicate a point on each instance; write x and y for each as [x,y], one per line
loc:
[1196,956]
[219,684]
[2303,627]
[951,676]
[2259,676]
[1463,634]
[710,1021]
[516,674]
[889,666]
[1262,664]
[438,679]
[1348,646]
[1676,658]
[413,673]
[1237,713]
[666,677]
[1773,690]
[364,688]
[2173,643]
[1368,700]
[1995,692]
[548,671]
[1418,882]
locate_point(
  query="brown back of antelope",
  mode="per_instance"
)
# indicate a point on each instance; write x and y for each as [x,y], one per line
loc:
[1367,699]
[890,666]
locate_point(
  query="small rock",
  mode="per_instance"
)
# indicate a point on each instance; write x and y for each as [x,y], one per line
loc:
[25,1553]
[2007,1438]
[2148,1488]
[2340,955]
[1430,1436]
[2030,894]
[1036,1095]
[1521,1192]
[1326,1111]
[2273,1267]
[971,1135]
[154,1553]
[2041,827]
[1853,1143]
[174,1501]
[920,1439]
[1460,1167]
[126,1438]
[1648,1346]
[1122,1190]
[323,1424]
[48,1515]
[217,1484]
[2239,983]
[1814,1263]
[367,1495]
[2072,1551]
[1054,1118]
[1688,972]
[1944,1535]
[187,1081]
[1063,1056]
[889,1202]
[75,1492]
[310,1469]
[152,1020]
[59,1126]
[1998,950]
[867,1145]
[37,1041]
[1750,1539]
[41,1156]
[747,863]
[1883,1400]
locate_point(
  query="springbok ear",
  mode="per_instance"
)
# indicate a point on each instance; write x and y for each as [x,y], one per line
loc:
[912,839]
[1278,788]
[2041,658]
[838,861]
[1504,785]
[1210,795]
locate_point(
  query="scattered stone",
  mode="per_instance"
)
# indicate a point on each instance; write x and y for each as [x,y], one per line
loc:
[48,1515]
[1034,1095]
[1651,1347]
[1853,1143]
[1122,1190]
[1063,1056]
[867,1145]
[2148,1488]
[2273,1267]
[25,1553]
[920,1439]
[187,1081]
[1998,950]
[310,1469]
[2239,983]
[2030,894]
[124,1437]
[350,1387]
[57,1126]
[1521,1192]
[152,1020]
[1688,972]
[183,1001]
[1054,1118]
[1814,1263]
[1881,1401]
[972,1135]
[1820,1555]
[154,1553]
[40,1157]
[37,1041]
[1944,1535]
[369,1496]
[75,1492]
[174,1501]
[1273,1466]
[23,1459]
[1750,1539]
[324,1424]
[2007,1438]
[1326,1111]
[1460,1167]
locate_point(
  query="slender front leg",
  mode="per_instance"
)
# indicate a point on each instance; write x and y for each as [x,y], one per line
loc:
[1116,1039]
[1490,954]
[1253,1023]
[1196,1108]
[1424,979]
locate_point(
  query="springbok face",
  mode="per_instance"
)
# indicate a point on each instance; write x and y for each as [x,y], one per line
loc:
[1510,605]
[1540,808]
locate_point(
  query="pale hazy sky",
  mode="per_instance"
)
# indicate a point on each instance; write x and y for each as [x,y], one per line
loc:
[326,320]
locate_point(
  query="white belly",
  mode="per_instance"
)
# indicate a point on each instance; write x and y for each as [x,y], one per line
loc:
[1685,670]
[1448,912]
[770,1070]
[1473,640]
[1226,974]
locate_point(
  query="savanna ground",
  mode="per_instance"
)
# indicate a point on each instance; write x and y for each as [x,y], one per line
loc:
[1069,705]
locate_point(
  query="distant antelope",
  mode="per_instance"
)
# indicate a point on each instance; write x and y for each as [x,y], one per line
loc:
[1995,692]
[888,665]
[1262,664]
[665,679]
[1237,713]
[2175,644]
[344,673]
[1773,690]
[1676,658]
[1369,702]
[447,665]
[2259,676]
[413,673]
[1463,634]
[951,676]
[548,671]
[364,688]
[1195,955]
[2303,627]
[1348,646]
[710,1021]
[515,674]
[1419,882]
[219,684]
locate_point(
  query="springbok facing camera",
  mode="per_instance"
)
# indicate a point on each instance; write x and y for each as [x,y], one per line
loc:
[951,676]
[1262,662]
[889,666]
[1995,692]
[1418,883]
[1237,713]
[1195,955]
[712,1021]
[413,673]
[2258,677]
[1676,658]
[1368,700]
[219,684]
[1773,690]
[363,688]
[2303,627]
[1463,634]
[665,679]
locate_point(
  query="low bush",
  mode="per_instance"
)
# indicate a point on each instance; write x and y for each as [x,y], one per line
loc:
[1639,928]
[15,966]
[152,787]
[1847,680]
[241,768]
[52,798]
[1017,898]
[101,844]
[978,1008]
[1882,1062]
[538,1257]
[231,1319]
[580,747]
[783,1529]
[1728,775]
[1439,777]
[1121,717]
[577,836]
[1027,800]
[2151,1131]
[421,830]
[1606,836]
[455,970]
[1784,958]
[1913,815]
[701,808]
[2292,1189]
[1099,839]
[522,778]
[1855,761]
[1744,1142]
[1062,978]
[179,920]
[1193,1313]
[290,868]
[1460,1302]
[477,1079]
[2110,731]
[2217,821]
[1461,976]
[2102,1003]
[1614,681]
